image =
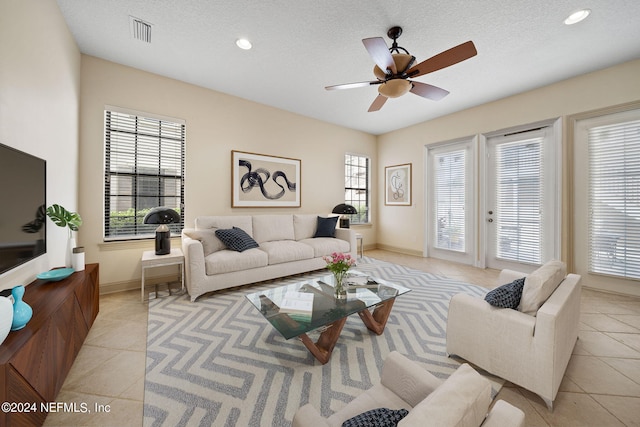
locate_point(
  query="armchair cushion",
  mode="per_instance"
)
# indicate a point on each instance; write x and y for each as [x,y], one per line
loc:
[461,401]
[379,417]
[506,296]
[539,285]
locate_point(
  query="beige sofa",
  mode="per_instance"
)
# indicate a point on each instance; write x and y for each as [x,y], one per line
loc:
[462,400]
[286,246]
[530,346]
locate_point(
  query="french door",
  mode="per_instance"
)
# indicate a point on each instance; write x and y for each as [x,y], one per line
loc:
[521,195]
[451,202]
[607,201]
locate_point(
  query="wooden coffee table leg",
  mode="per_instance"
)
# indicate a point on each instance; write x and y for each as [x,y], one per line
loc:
[377,320]
[322,348]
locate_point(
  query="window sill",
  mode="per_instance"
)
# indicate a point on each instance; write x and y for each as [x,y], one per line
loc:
[367,225]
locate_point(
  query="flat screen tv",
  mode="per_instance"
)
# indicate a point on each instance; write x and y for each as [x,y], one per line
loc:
[22,207]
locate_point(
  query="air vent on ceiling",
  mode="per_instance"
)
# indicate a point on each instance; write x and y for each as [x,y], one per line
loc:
[140,30]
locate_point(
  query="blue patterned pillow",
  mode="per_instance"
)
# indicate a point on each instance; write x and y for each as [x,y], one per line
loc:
[236,238]
[380,417]
[506,296]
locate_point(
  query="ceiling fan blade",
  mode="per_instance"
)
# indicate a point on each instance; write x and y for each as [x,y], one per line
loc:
[444,59]
[424,90]
[352,85]
[377,103]
[380,54]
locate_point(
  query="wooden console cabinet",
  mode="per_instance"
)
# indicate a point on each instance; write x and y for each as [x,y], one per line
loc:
[35,360]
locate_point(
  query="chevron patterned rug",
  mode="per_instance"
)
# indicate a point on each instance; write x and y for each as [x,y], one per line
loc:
[218,362]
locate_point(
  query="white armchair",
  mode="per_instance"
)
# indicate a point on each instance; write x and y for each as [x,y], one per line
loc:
[530,350]
[462,400]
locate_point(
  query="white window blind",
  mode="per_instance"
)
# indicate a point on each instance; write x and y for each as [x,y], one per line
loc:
[614,199]
[144,168]
[519,200]
[356,186]
[450,200]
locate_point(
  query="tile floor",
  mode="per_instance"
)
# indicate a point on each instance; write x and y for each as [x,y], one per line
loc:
[601,386]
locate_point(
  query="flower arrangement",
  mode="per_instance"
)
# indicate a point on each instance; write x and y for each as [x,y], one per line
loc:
[339,264]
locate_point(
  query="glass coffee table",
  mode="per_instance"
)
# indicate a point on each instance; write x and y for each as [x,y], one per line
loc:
[302,307]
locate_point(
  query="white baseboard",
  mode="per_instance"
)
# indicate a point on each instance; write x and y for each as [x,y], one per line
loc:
[129,285]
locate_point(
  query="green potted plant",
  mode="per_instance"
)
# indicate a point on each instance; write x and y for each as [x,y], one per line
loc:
[64,218]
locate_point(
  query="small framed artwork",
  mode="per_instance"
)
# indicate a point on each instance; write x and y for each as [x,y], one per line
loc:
[397,185]
[260,180]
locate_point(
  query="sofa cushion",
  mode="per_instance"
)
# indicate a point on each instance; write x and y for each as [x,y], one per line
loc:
[326,227]
[506,296]
[461,401]
[236,238]
[210,243]
[379,417]
[286,251]
[227,261]
[304,225]
[326,246]
[268,228]
[539,285]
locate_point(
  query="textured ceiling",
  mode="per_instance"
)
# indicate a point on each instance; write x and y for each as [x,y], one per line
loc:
[301,46]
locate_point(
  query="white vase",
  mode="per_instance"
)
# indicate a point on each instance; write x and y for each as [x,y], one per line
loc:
[6,317]
[68,260]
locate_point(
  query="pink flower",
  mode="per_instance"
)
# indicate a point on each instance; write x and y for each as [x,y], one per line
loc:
[339,262]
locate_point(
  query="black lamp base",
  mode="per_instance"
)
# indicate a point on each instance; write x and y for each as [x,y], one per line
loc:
[163,242]
[344,222]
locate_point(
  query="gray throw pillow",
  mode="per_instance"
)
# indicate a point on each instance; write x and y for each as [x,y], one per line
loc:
[506,296]
[236,238]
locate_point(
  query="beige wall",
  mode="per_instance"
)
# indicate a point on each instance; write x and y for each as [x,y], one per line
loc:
[39,95]
[402,228]
[216,124]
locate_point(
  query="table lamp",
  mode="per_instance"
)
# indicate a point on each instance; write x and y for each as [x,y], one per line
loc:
[344,209]
[163,216]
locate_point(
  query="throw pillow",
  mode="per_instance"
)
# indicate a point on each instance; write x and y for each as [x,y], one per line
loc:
[380,417]
[539,285]
[210,243]
[326,227]
[506,296]
[236,238]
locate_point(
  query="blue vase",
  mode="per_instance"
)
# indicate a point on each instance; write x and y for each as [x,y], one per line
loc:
[22,312]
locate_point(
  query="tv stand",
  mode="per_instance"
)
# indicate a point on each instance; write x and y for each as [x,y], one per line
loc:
[35,360]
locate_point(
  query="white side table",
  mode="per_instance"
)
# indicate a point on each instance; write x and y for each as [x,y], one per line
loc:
[151,260]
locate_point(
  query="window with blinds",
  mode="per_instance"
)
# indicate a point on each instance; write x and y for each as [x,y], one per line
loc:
[519,200]
[449,197]
[144,168]
[356,186]
[614,199]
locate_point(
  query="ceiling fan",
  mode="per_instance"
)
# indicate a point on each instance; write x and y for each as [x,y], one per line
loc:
[394,69]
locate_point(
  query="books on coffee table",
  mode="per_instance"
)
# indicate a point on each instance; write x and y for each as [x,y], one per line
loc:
[298,305]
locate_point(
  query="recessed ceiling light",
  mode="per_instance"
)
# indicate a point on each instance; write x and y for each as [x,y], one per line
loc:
[243,44]
[577,16]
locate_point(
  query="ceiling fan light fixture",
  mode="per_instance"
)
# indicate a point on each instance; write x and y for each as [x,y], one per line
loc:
[244,44]
[402,61]
[394,88]
[577,16]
